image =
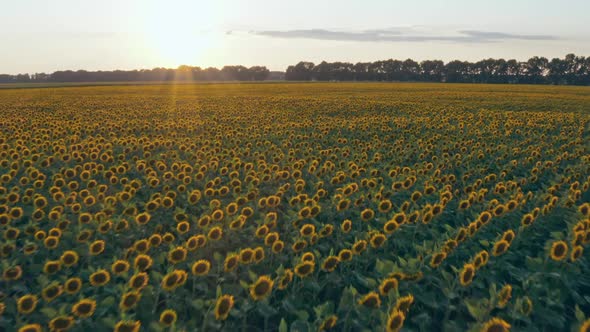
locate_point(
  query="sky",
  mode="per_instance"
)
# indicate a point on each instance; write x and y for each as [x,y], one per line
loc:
[45,36]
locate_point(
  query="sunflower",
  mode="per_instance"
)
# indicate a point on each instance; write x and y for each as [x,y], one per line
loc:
[73,285]
[27,304]
[30,328]
[278,246]
[51,267]
[467,274]
[215,233]
[500,247]
[304,269]
[139,280]
[329,323]
[141,246]
[527,219]
[84,308]
[177,255]
[155,240]
[484,217]
[246,256]
[390,226]
[231,262]
[330,263]
[437,259]
[100,278]
[504,296]
[129,300]
[307,230]
[508,236]
[345,255]
[61,323]
[69,258]
[13,273]
[359,246]
[120,267]
[496,325]
[370,300]
[127,326]
[201,267]
[286,279]
[377,240]
[51,292]
[308,257]
[223,306]
[142,218]
[299,245]
[346,226]
[261,288]
[577,252]
[170,281]
[259,254]
[526,308]
[404,303]
[96,247]
[387,285]
[51,242]
[367,214]
[168,317]
[142,262]
[559,250]
[395,321]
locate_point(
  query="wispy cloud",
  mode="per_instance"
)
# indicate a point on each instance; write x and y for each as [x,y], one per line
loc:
[401,35]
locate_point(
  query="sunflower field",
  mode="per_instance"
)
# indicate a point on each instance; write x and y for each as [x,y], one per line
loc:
[295,207]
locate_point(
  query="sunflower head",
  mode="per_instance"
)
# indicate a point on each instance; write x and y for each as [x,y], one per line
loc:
[388,285]
[395,321]
[370,300]
[100,278]
[330,263]
[496,325]
[223,306]
[261,288]
[61,323]
[304,269]
[467,274]
[30,328]
[201,267]
[168,317]
[559,250]
[27,304]
[500,247]
[84,308]
[127,326]
[329,323]
[504,296]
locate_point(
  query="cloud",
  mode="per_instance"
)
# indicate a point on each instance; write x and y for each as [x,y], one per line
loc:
[400,35]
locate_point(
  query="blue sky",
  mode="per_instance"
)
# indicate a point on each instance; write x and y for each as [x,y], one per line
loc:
[44,36]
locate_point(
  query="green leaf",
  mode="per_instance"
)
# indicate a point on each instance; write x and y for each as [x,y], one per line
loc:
[49,312]
[580,314]
[299,326]
[283,326]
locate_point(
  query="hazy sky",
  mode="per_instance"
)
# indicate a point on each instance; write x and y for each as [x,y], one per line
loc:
[44,36]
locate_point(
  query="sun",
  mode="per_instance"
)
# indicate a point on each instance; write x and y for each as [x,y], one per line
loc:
[180,35]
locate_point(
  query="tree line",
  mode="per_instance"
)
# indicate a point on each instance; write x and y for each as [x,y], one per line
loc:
[572,69]
[182,73]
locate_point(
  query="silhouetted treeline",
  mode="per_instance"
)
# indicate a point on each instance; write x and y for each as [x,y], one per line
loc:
[182,73]
[571,69]
[537,70]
